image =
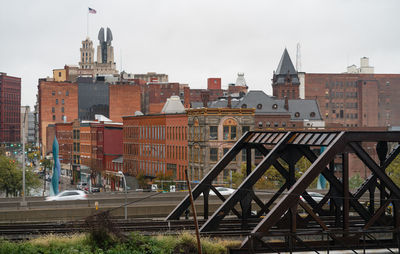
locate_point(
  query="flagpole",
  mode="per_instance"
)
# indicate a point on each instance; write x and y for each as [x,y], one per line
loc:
[87,25]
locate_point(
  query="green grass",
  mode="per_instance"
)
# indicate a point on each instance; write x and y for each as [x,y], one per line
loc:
[134,243]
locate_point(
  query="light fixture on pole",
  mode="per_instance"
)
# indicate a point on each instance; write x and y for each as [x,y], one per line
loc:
[126,195]
[23,203]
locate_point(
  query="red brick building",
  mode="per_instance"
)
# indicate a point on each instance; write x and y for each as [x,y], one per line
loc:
[91,146]
[125,99]
[63,131]
[57,101]
[355,100]
[10,108]
[285,82]
[214,83]
[156,144]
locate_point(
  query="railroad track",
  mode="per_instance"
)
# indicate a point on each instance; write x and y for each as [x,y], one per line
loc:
[227,228]
[26,231]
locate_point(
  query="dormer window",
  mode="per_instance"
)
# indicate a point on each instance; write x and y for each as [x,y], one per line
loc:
[275,106]
[297,114]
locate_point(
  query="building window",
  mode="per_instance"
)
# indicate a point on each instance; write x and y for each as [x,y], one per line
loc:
[259,106]
[213,154]
[59,74]
[229,129]
[53,93]
[312,114]
[297,114]
[276,124]
[244,105]
[67,93]
[213,132]
[62,109]
[260,124]
[283,124]
[62,101]
[244,157]
[196,154]
[54,117]
[275,106]
[53,110]
[56,101]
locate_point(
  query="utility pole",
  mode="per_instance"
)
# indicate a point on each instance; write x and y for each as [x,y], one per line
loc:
[23,203]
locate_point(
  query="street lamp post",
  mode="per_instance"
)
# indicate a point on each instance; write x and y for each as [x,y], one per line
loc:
[23,203]
[126,195]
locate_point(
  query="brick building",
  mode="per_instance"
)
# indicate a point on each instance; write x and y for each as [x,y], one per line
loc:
[285,81]
[157,143]
[10,107]
[91,146]
[212,132]
[356,100]
[63,131]
[59,101]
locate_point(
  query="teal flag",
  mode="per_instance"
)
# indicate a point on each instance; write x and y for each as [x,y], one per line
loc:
[321,184]
[55,179]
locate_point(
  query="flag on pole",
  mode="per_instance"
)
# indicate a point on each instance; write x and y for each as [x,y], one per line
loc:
[92,11]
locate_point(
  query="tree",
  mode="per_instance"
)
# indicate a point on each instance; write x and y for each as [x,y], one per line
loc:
[141,181]
[11,177]
[355,181]
[165,180]
[393,170]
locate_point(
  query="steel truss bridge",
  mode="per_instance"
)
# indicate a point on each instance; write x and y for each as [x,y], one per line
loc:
[340,221]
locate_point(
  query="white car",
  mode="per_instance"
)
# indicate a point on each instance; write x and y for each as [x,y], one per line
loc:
[314,195]
[68,195]
[222,190]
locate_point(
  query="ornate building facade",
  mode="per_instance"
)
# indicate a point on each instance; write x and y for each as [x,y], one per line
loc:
[212,132]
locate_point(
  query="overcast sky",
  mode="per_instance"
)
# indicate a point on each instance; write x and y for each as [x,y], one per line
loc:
[192,40]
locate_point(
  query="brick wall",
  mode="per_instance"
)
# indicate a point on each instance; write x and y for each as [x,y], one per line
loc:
[125,100]
[56,96]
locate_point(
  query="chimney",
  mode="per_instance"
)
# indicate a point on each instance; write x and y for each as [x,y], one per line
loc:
[186,96]
[229,102]
[286,103]
[204,98]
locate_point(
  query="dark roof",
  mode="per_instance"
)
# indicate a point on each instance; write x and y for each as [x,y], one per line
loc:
[306,109]
[265,104]
[285,65]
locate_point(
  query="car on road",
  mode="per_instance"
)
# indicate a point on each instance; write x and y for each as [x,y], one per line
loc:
[82,186]
[314,195]
[68,195]
[224,191]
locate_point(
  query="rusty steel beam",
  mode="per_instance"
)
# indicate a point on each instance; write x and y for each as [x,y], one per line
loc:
[300,186]
[205,184]
[248,183]
[370,163]
[337,185]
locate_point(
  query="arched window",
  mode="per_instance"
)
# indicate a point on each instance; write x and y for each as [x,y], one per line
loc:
[229,129]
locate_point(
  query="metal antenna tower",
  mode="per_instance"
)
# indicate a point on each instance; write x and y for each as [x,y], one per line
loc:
[298,58]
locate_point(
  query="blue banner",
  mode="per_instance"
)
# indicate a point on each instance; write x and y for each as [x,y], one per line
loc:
[56,170]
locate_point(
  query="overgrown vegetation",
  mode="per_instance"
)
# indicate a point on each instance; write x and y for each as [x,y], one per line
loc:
[134,243]
[11,177]
[272,179]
